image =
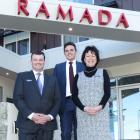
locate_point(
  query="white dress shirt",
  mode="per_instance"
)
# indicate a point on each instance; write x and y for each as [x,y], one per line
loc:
[68,92]
[41,76]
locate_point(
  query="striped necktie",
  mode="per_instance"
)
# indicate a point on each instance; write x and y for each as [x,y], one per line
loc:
[40,86]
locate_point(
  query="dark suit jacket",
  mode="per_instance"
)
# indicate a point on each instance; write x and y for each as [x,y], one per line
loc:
[27,99]
[60,73]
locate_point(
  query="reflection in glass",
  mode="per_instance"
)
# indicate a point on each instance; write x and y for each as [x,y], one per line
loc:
[130,111]
[1,94]
[113,114]
[83,1]
[70,38]
[129,80]
[112,82]
[139,123]
[83,39]
[11,46]
[23,46]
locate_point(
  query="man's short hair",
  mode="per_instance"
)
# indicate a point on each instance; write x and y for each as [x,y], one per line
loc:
[70,43]
[38,53]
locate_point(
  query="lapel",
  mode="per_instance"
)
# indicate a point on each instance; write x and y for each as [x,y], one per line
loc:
[46,83]
[34,82]
[77,67]
[63,72]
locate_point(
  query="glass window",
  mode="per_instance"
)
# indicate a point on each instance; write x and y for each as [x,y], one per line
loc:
[130,113]
[83,39]
[129,80]
[113,113]
[112,82]
[23,46]
[69,38]
[74,39]
[83,1]
[11,46]
[128,92]
[1,94]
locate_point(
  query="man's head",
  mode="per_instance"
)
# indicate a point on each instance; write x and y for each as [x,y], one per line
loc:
[70,51]
[38,61]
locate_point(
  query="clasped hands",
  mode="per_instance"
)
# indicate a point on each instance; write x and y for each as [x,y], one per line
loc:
[40,118]
[92,110]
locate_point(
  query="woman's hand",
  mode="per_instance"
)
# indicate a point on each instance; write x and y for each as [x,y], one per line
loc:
[92,110]
[98,108]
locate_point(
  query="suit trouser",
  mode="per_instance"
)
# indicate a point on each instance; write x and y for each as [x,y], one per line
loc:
[68,121]
[46,135]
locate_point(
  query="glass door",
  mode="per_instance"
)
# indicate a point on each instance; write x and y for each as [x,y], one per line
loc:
[113,111]
[129,112]
[1,94]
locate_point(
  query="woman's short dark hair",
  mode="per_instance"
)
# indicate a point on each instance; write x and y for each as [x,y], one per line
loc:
[70,43]
[92,49]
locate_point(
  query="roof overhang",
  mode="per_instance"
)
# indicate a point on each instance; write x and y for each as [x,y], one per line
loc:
[11,18]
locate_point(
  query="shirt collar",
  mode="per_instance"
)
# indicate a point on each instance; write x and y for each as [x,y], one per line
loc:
[36,72]
[73,62]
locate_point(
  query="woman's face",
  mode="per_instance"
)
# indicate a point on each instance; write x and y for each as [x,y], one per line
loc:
[90,59]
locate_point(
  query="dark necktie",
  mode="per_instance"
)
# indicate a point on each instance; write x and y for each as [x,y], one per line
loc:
[40,86]
[71,76]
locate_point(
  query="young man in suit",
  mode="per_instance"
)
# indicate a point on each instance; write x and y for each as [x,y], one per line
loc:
[37,99]
[63,72]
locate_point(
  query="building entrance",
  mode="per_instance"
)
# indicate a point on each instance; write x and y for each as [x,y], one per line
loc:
[125,112]
[129,112]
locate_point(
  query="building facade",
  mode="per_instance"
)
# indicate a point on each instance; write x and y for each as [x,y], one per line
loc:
[120,57]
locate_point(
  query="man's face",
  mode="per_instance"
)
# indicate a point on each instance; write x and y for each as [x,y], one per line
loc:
[37,62]
[70,52]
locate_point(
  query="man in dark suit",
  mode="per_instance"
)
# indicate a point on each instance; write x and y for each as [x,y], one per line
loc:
[37,99]
[63,72]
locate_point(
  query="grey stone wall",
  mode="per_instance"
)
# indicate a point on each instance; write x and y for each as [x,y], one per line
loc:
[6,132]
[57,133]
[3,118]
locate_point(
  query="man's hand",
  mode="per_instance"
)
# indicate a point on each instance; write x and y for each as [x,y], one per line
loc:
[39,118]
[36,117]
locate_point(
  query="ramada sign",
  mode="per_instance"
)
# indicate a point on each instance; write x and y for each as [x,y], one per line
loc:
[22,7]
